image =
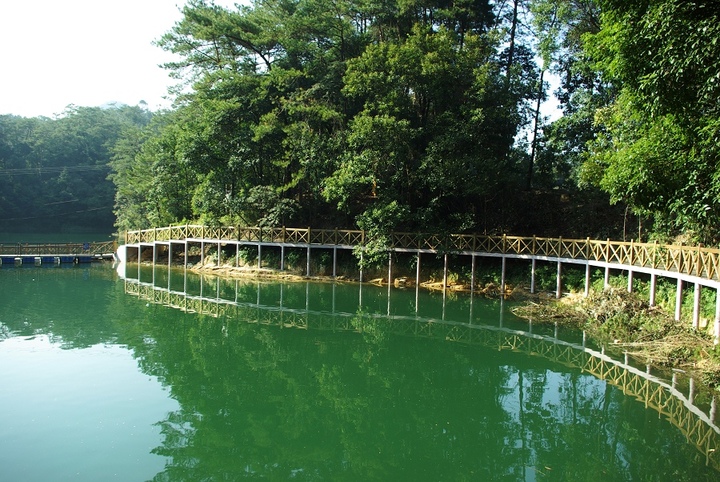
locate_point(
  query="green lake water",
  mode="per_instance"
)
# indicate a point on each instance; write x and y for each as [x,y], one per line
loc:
[188,378]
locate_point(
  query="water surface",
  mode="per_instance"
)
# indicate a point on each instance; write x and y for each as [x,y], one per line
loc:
[182,377]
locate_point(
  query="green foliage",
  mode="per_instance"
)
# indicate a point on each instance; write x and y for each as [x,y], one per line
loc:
[404,113]
[573,278]
[561,25]
[326,114]
[546,278]
[292,258]
[154,185]
[54,171]
[407,114]
[378,223]
[244,256]
[658,148]
[624,320]
[653,165]
[624,316]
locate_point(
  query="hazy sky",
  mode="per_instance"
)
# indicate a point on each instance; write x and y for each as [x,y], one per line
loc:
[54,53]
[84,52]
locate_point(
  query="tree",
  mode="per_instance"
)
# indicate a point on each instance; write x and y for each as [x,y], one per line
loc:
[19,195]
[426,140]
[267,102]
[359,105]
[658,150]
[56,169]
[559,149]
[153,186]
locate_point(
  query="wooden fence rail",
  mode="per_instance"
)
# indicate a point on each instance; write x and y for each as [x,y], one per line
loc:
[29,249]
[688,260]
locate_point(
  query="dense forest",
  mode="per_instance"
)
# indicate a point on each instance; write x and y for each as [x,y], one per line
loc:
[54,172]
[422,115]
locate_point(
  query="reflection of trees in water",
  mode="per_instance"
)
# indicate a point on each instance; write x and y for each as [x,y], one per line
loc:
[272,402]
[269,401]
[61,302]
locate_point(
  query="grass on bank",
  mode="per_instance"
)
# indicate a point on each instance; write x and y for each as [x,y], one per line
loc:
[625,322]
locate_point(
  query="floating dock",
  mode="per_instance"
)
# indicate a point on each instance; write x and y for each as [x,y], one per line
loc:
[18,254]
[40,260]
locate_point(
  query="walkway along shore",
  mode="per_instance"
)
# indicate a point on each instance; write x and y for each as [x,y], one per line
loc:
[688,265]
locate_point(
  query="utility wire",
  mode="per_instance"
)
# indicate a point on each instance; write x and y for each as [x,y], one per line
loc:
[52,170]
[56,215]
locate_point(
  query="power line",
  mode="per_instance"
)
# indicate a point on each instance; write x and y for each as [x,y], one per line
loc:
[56,215]
[61,202]
[52,170]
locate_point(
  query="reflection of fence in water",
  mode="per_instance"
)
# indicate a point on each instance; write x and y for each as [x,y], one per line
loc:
[699,428]
[697,265]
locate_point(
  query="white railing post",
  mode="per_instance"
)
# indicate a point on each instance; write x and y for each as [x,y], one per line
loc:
[716,328]
[694,264]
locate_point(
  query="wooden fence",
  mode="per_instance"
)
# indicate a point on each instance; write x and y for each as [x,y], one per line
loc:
[688,260]
[56,249]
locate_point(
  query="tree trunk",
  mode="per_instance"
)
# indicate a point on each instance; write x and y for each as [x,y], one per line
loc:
[536,128]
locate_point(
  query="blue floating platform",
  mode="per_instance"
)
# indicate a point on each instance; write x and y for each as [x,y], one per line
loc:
[45,260]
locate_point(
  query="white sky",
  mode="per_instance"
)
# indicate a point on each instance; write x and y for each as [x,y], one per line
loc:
[54,53]
[83,52]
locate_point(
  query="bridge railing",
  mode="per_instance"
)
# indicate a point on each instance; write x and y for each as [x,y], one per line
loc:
[690,260]
[50,249]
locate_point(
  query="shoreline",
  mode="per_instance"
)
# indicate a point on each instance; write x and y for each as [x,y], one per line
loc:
[512,291]
[626,324]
